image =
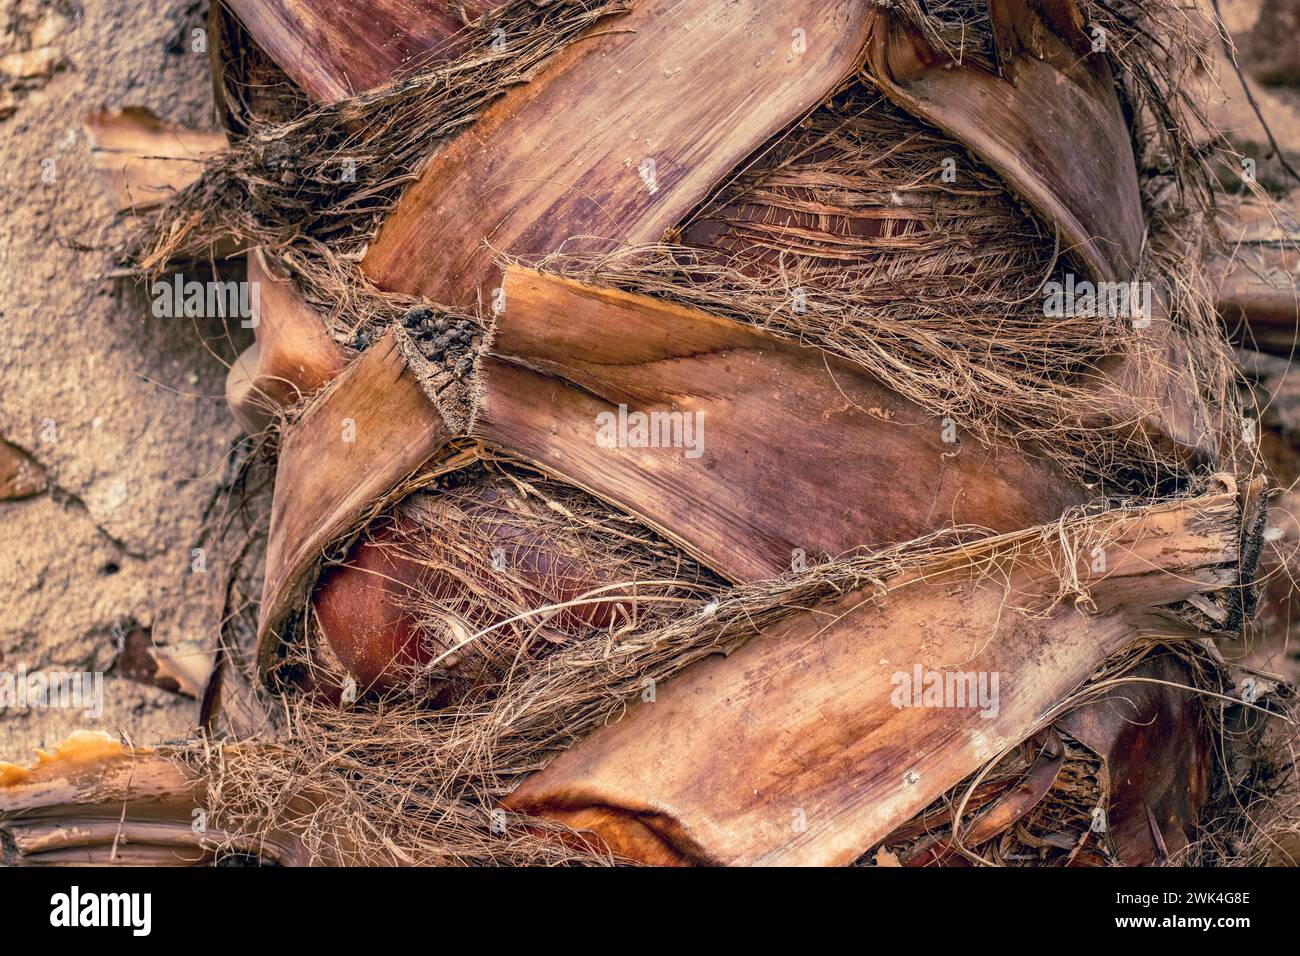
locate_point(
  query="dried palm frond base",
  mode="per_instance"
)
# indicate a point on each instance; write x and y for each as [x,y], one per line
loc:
[836,232]
[429,781]
[1052,801]
[1055,800]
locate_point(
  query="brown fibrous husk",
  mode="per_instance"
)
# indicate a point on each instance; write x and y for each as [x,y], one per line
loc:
[948,314]
[429,780]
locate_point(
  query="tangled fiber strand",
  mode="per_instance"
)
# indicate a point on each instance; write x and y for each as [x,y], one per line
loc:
[496,542]
[1158,53]
[1249,817]
[1254,815]
[1066,810]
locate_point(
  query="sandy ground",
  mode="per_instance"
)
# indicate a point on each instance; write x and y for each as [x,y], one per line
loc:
[124,411]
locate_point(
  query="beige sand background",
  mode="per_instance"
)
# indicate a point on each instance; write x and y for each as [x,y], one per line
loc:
[124,411]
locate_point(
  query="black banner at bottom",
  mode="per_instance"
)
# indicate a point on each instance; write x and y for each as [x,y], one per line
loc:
[359,907]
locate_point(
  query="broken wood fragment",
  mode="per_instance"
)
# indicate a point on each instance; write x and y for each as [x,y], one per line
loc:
[21,475]
[1259,296]
[145,160]
[92,801]
[1257,280]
